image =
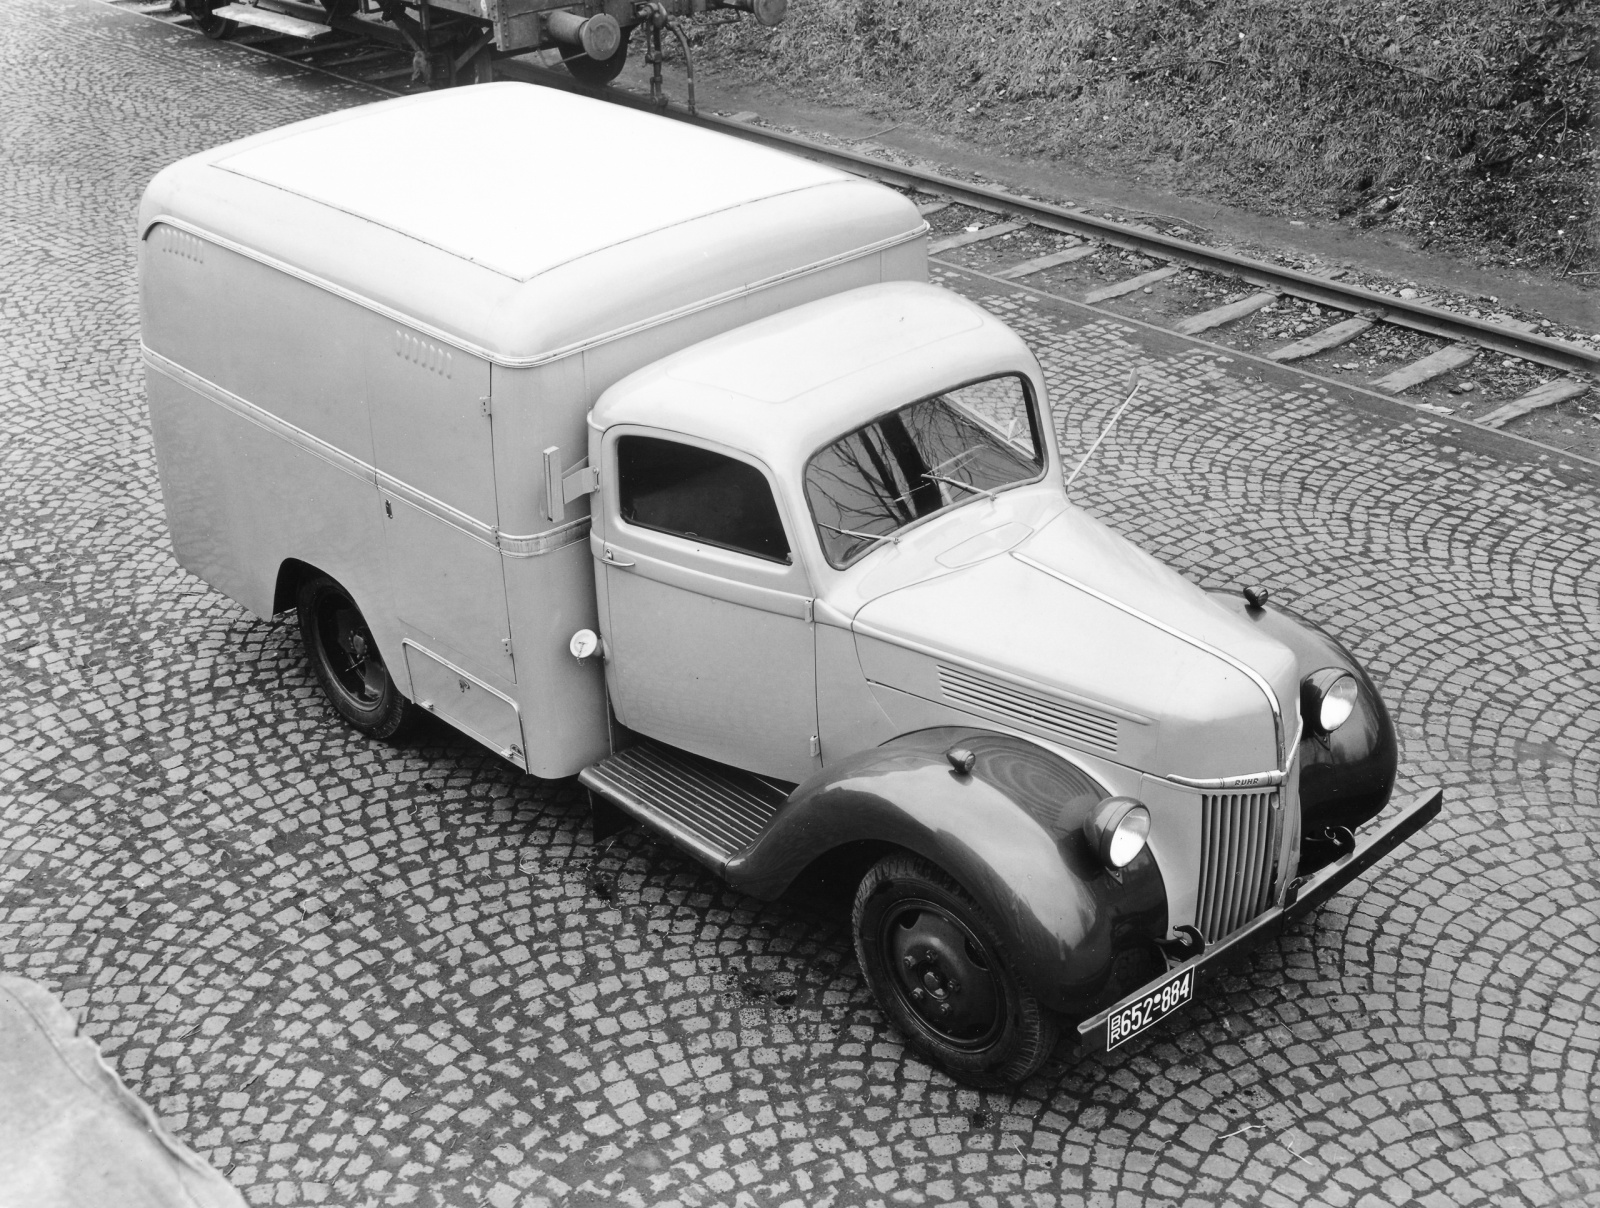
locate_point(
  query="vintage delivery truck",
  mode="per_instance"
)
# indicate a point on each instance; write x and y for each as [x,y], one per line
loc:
[639,453]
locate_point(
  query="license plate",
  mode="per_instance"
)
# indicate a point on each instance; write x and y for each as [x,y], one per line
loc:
[1138,1015]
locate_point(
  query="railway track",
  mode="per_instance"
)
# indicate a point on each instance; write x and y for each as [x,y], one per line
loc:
[1130,270]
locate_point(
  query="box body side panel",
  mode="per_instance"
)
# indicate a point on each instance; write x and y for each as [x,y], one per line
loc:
[288,347]
[262,442]
[551,597]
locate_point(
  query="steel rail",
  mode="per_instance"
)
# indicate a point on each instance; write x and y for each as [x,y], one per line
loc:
[1402,312]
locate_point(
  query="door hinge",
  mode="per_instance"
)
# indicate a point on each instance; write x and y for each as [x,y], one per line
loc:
[816,746]
[505,644]
[575,484]
[560,488]
[486,405]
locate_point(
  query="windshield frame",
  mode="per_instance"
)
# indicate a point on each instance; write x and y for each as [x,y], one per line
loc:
[1030,398]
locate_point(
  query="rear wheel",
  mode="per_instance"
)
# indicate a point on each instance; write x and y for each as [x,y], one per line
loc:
[347,662]
[942,974]
[596,72]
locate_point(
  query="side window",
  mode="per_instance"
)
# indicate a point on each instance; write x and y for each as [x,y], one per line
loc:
[695,493]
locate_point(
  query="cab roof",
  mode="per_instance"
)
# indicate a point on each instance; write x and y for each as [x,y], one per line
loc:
[783,387]
[519,221]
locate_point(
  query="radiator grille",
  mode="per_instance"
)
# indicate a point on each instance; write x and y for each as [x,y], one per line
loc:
[1028,710]
[1238,838]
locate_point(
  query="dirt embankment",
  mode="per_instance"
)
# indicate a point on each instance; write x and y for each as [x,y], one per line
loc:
[1469,124]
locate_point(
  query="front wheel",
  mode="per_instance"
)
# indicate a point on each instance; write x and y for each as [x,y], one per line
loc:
[346,660]
[941,972]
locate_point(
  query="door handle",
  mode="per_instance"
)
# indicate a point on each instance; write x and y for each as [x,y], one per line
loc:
[613,560]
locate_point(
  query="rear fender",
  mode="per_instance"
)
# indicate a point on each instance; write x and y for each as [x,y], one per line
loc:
[1010,832]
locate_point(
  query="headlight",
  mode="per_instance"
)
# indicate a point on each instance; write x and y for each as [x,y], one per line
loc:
[1327,698]
[1117,830]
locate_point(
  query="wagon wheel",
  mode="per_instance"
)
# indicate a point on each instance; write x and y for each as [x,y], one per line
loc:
[477,70]
[203,14]
[596,72]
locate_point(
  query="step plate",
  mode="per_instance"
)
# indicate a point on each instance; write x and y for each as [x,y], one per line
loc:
[266,18]
[711,810]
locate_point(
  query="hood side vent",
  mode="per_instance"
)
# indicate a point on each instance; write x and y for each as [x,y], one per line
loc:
[1028,710]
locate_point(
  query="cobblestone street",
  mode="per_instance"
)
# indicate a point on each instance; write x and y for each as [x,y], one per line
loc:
[347,973]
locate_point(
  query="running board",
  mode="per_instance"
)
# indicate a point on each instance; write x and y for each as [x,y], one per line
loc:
[710,810]
[266,18]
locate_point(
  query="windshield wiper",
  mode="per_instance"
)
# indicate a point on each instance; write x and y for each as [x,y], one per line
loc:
[956,482]
[894,538]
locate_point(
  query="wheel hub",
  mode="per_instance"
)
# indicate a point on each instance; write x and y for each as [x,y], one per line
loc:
[359,673]
[943,973]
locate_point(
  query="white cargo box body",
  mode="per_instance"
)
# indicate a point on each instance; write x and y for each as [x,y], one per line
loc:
[362,332]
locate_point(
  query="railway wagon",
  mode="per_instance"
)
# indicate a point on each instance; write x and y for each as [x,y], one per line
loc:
[675,473]
[457,41]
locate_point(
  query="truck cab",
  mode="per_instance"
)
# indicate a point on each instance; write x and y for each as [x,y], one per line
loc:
[846,606]
[761,489]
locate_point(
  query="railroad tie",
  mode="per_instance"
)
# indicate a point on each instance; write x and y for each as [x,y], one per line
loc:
[1118,288]
[1217,316]
[966,237]
[932,207]
[1039,263]
[1451,356]
[1328,337]
[1546,394]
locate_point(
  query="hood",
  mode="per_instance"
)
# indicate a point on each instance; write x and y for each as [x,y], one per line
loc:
[1080,637]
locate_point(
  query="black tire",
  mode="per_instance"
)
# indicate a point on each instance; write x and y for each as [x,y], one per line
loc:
[596,73]
[347,662]
[205,19]
[941,972]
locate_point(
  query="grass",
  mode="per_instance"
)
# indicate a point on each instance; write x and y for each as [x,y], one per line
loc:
[1469,123]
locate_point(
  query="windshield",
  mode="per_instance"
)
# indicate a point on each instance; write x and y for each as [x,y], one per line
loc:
[939,452]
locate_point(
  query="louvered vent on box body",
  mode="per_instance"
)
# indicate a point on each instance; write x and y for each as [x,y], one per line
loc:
[1028,710]
[1237,838]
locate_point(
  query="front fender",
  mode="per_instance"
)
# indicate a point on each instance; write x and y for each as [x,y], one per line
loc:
[1345,777]
[1010,832]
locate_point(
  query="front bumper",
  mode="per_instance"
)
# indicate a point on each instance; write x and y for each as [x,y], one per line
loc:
[1095,1033]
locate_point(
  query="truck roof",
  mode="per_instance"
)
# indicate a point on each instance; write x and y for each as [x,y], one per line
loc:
[521,222]
[784,386]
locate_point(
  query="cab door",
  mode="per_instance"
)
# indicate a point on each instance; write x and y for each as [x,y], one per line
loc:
[707,616]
